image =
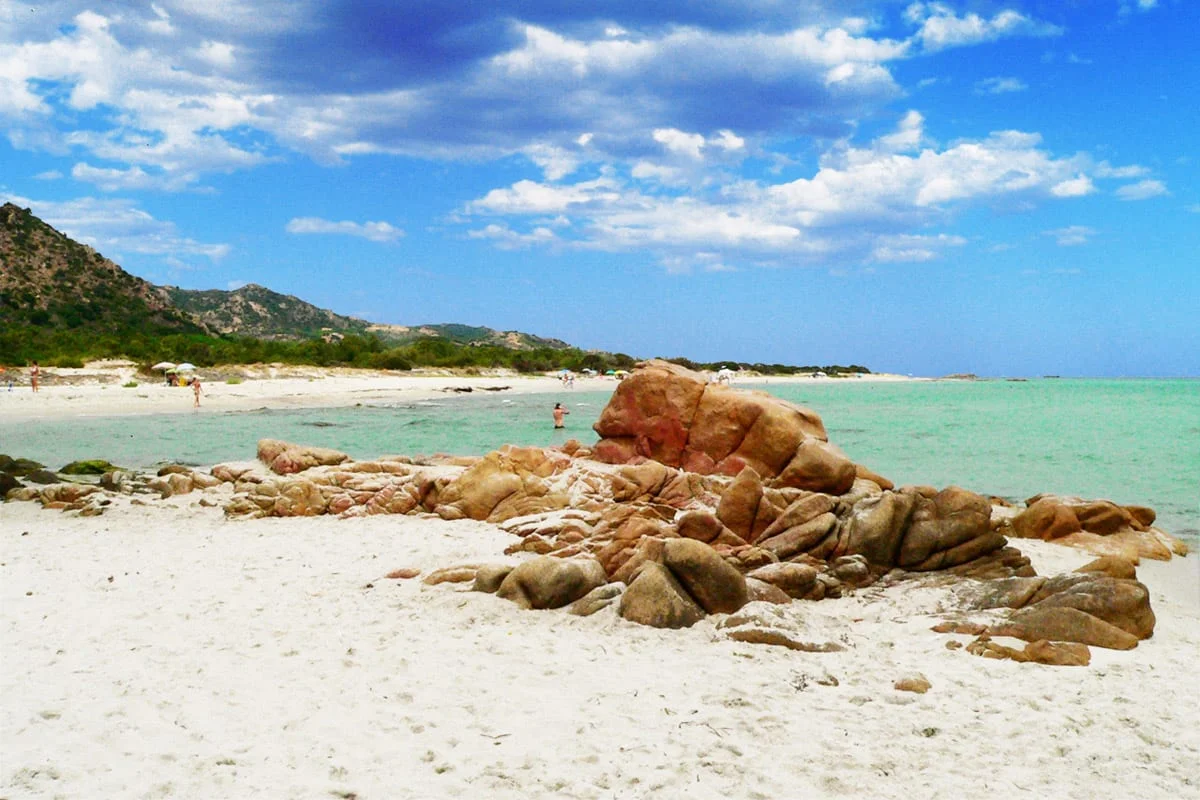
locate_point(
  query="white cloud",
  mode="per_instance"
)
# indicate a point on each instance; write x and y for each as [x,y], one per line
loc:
[1194,208]
[1106,170]
[1072,235]
[132,179]
[48,175]
[680,143]
[506,238]
[233,286]
[115,226]
[530,197]
[1142,190]
[727,140]
[555,162]
[1000,85]
[913,248]
[372,231]
[1074,187]
[940,27]
[909,135]
[217,54]
[860,205]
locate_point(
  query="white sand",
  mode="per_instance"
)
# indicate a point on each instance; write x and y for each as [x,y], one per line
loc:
[99,390]
[165,652]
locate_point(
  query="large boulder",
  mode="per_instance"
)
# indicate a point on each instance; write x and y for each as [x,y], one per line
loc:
[795,580]
[818,466]
[734,429]
[548,582]
[738,507]
[285,458]
[876,524]
[716,586]
[948,529]
[1121,602]
[656,598]
[669,414]
[1046,519]
[650,412]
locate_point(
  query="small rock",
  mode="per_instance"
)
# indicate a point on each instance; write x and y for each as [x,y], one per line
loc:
[913,683]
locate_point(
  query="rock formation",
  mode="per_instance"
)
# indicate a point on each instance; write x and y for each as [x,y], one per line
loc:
[700,499]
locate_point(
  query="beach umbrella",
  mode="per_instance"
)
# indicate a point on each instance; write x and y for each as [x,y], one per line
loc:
[185,367]
[163,365]
[610,372]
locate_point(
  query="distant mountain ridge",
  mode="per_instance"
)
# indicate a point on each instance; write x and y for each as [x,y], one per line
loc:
[48,279]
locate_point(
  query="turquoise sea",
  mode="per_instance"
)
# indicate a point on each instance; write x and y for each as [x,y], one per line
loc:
[1132,441]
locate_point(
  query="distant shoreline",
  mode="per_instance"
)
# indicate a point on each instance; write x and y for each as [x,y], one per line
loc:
[101,388]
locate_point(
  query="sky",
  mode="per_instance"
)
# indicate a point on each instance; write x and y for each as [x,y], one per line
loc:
[1004,188]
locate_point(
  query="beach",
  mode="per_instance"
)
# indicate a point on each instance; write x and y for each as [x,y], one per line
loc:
[100,389]
[163,651]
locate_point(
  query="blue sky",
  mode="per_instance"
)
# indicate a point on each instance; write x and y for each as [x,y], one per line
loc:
[1006,188]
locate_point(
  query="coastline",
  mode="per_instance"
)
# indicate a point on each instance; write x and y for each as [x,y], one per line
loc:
[98,390]
[164,650]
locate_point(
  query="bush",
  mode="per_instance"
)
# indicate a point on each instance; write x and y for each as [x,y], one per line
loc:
[130,385]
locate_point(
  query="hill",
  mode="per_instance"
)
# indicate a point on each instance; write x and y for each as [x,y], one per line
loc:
[474,336]
[258,312]
[49,280]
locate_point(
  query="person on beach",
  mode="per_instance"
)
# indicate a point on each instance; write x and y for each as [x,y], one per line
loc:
[559,414]
[35,373]
[196,392]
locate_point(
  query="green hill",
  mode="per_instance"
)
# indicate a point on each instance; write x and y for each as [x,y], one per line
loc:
[50,281]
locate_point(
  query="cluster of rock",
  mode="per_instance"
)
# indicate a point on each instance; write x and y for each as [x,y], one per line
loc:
[88,487]
[699,499]
[1098,526]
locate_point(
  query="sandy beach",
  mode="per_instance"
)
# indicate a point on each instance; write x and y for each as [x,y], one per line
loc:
[163,651]
[100,389]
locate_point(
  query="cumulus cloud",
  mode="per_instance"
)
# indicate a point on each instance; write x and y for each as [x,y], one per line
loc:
[940,27]
[1072,235]
[174,97]
[132,179]
[48,175]
[119,226]
[1000,85]
[859,205]
[372,231]
[506,238]
[1142,190]
[1074,187]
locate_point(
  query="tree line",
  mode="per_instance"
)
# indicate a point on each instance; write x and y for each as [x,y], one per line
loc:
[59,347]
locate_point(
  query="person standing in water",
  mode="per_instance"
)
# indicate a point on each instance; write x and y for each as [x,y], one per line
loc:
[559,414]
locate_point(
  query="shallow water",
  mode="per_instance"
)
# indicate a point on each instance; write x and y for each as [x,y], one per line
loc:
[1132,441]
